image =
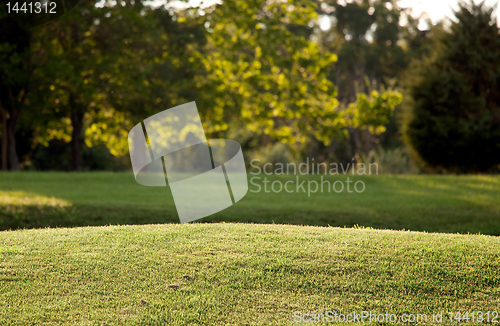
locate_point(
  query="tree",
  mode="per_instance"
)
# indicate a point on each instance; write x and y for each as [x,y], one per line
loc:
[15,68]
[372,46]
[237,68]
[454,120]
[264,74]
[108,65]
[251,65]
[17,61]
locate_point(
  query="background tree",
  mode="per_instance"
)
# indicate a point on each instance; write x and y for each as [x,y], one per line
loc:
[138,61]
[263,75]
[17,61]
[108,64]
[268,64]
[375,41]
[256,68]
[454,118]
[15,70]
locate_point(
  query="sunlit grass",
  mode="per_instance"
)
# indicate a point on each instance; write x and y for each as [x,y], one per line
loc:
[23,198]
[243,273]
[238,274]
[464,204]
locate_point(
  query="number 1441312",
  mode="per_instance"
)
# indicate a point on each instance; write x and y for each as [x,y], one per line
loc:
[31,7]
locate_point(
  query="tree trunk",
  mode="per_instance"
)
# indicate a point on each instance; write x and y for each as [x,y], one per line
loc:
[5,139]
[368,142]
[13,159]
[12,152]
[348,147]
[354,132]
[265,140]
[76,138]
[332,148]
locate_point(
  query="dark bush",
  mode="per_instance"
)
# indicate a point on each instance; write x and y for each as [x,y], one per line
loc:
[455,117]
[57,157]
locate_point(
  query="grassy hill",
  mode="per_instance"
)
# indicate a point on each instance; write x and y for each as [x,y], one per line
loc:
[238,274]
[423,203]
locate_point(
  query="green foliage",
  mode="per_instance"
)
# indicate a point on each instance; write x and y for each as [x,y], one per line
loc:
[454,122]
[371,42]
[104,66]
[373,111]
[275,153]
[263,71]
[15,71]
[128,62]
[375,41]
[392,161]
[110,64]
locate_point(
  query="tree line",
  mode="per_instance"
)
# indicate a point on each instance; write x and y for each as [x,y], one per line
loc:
[261,71]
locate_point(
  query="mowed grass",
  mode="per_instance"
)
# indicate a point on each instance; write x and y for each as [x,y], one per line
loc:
[238,274]
[464,204]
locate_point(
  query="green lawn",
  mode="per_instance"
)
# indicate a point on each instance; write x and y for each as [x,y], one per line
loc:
[424,203]
[244,274]
[239,274]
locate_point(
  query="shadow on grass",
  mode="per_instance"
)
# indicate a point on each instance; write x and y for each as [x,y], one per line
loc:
[446,220]
[449,204]
[33,216]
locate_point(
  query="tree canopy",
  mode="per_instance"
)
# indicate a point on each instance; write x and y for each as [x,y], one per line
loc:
[92,73]
[454,122]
